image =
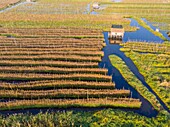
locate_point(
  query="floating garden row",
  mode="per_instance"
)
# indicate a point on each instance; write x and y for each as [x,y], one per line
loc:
[56,84]
[81,53]
[51,70]
[60,103]
[49,49]
[51,63]
[34,77]
[63,93]
[51,32]
[54,46]
[52,41]
[53,57]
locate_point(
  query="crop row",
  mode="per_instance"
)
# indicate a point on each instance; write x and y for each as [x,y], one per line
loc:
[53,84]
[33,76]
[65,103]
[46,69]
[62,93]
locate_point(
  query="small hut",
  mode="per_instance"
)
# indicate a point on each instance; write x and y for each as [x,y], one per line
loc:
[117,32]
[96,5]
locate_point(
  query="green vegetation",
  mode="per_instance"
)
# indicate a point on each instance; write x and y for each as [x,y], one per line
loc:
[103,118]
[157,64]
[134,81]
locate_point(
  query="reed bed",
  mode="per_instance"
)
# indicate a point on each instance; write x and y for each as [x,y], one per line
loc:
[54,84]
[65,103]
[63,93]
